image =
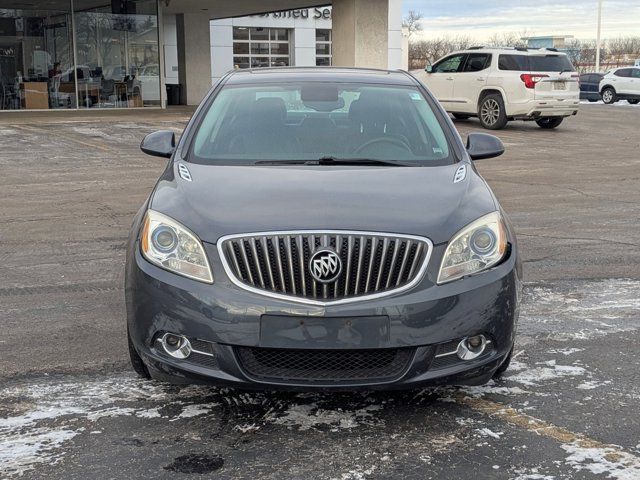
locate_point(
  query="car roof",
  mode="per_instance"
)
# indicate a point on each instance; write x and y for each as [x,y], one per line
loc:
[320,74]
[510,50]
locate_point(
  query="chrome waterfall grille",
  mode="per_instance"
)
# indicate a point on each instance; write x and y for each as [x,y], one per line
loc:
[323,267]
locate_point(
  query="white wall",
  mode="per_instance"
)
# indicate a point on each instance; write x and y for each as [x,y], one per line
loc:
[170,49]
[394,61]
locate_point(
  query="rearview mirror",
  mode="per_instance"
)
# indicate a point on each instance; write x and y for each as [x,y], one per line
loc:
[483,145]
[159,144]
[429,68]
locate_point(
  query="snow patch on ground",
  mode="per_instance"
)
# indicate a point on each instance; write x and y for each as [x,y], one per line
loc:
[48,410]
[609,461]
[546,371]
[591,384]
[22,451]
[580,310]
[189,411]
[308,416]
[487,432]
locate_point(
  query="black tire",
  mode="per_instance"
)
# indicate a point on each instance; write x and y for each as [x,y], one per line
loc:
[633,101]
[504,365]
[461,116]
[136,361]
[491,112]
[549,122]
[609,95]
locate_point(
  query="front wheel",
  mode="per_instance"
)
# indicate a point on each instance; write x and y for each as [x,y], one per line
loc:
[549,122]
[504,365]
[609,96]
[634,101]
[491,112]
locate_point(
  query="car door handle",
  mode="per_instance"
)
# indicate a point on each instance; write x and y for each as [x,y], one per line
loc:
[480,79]
[449,78]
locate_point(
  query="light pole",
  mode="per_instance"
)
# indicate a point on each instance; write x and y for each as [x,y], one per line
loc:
[598,36]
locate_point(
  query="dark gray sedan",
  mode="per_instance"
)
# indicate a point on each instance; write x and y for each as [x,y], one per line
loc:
[321,228]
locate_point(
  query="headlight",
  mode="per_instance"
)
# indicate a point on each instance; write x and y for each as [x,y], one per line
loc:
[476,247]
[171,246]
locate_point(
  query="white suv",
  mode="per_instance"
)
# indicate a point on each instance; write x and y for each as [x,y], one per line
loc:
[621,84]
[502,84]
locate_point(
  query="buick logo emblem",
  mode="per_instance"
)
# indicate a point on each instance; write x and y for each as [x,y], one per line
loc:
[325,266]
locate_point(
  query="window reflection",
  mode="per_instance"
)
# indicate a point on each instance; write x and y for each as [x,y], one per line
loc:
[116,53]
[35,48]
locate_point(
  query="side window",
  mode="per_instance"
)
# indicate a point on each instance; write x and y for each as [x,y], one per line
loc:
[449,65]
[513,63]
[476,62]
[623,72]
[636,73]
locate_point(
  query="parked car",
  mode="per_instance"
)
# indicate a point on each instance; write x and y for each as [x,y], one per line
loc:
[590,86]
[621,84]
[502,84]
[342,240]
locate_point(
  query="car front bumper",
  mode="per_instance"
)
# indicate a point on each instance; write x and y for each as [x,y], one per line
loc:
[223,318]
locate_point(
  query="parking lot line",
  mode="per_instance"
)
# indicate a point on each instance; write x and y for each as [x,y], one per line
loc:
[622,464]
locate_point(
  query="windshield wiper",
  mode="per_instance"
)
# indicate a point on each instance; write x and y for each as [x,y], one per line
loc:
[355,161]
[335,161]
[281,162]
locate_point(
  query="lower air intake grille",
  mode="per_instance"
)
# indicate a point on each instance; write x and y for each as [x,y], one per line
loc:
[324,365]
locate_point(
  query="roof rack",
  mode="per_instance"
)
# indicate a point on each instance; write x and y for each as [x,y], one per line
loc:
[476,47]
[521,49]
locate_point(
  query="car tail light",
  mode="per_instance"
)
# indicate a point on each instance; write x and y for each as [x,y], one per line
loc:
[530,79]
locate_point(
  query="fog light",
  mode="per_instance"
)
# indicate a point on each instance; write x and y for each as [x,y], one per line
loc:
[177,346]
[471,347]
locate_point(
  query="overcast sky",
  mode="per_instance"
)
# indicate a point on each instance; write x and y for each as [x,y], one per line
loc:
[481,18]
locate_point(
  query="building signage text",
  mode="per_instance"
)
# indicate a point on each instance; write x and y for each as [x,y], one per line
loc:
[316,13]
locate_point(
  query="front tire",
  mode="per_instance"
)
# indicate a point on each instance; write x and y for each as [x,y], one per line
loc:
[609,96]
[633,101]
[491,112]
[504,365]
[549,122]
[136,361]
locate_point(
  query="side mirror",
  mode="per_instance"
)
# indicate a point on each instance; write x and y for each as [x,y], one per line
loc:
[429,68]
[159,144]
[483,145]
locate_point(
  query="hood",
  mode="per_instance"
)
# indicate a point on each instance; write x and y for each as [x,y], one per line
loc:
[224,200]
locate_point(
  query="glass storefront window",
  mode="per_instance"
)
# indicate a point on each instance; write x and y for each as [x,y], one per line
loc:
[35,53]
[115,62]
[119,55]
[260,47]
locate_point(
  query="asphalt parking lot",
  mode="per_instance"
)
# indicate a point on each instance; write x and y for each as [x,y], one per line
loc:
[70,408]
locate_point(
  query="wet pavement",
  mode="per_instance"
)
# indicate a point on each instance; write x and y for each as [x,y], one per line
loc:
[71,408]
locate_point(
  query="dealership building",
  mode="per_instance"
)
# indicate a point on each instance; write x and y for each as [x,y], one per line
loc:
[94,54]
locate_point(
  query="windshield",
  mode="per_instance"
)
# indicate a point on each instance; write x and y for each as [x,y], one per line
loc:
[535,63]
[311,120]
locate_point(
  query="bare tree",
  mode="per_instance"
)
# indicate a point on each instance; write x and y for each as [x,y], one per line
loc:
[412,22]
[615,52]
[423,52]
